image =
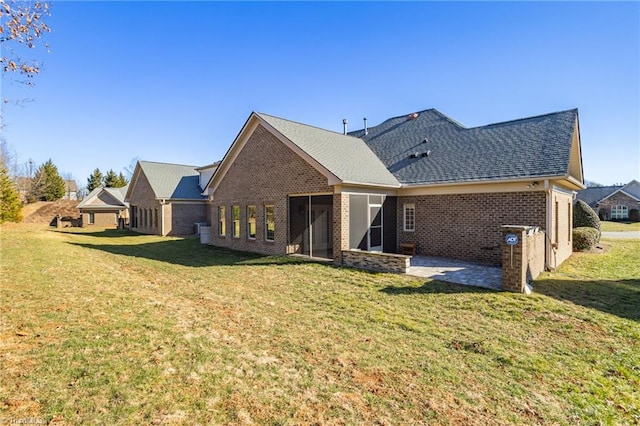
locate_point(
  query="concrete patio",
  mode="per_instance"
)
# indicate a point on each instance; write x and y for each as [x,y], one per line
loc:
[456,271]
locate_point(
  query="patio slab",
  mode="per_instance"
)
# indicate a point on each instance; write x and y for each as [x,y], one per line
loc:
[456,271]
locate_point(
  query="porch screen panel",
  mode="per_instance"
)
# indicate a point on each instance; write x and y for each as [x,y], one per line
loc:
[358,224]
[321,226]
[298,217]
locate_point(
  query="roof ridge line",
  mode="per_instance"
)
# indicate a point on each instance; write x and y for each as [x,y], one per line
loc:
[304,124]
[523,118]
[168,164]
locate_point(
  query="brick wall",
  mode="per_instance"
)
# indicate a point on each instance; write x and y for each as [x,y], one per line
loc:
[143,198]
[468,226]
[183,216]
[340,226]
[101,218]
[560,234]
[265,172]
[523,261]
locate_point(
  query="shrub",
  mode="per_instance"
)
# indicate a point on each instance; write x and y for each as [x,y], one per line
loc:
[585,238]
[634,215]
[585,216]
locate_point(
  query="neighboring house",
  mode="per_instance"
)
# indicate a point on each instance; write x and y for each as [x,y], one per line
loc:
[105,207]
[24,186]
[286,187]
[619,202]
[71,190]
[166,199]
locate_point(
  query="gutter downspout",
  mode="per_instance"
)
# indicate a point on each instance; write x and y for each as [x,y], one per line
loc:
[549,220]
[162,204]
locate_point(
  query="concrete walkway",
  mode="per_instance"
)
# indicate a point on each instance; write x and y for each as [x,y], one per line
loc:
[456,271]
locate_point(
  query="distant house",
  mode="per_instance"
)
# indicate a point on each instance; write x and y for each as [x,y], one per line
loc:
[618,202]
[71,190]
[105,207]
[166,199]
[24,185]
[421,179]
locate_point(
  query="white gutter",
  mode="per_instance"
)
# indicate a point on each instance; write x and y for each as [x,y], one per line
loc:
[484,181]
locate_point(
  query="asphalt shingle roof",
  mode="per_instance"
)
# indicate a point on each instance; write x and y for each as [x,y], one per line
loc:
[633,189]
[117,193]
[174,181]
[347,157]
[529,147]
[593,194]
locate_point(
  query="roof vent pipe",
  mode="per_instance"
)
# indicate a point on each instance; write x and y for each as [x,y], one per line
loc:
[344,126]
[366,131]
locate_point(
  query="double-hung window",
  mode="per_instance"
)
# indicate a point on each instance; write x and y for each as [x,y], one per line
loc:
[251,222]
[409,217]
[222,224]
[235,215]
[269,223]
[619,212]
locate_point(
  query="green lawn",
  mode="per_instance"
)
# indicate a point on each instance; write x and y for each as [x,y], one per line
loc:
[117,328]
[620,226]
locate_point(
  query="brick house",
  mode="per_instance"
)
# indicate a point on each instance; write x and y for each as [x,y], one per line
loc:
[289,188]
[618,202]
[105,207]
[166,199]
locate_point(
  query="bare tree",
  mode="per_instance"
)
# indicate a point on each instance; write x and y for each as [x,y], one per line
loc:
[21,27]
[131,168]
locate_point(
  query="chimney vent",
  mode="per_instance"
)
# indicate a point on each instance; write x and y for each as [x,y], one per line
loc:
[344,126]
[366,131]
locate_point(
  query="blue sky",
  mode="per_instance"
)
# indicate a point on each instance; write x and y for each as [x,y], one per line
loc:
[175,82]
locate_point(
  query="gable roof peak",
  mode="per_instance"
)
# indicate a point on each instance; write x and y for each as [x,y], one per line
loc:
[267,116]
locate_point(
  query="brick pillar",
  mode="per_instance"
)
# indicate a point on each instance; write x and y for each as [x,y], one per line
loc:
[514,259]
[340,226]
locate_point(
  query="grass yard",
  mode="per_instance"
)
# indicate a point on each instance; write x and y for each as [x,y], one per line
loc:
[116,328]
[610,226]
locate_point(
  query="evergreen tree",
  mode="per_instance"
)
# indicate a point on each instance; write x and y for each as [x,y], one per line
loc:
[47,184]
[10,206]
[95,180]
[122,180]
[111,179]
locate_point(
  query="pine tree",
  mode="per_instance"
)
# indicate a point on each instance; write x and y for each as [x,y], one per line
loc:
[111,179]
[95,180]
[10,206]
[47,184]
[122,180]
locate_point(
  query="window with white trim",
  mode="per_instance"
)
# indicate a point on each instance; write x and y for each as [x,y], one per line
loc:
[409,217]
[619,212]
[269,223]
[235,217]
[251,222]
[222,224]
